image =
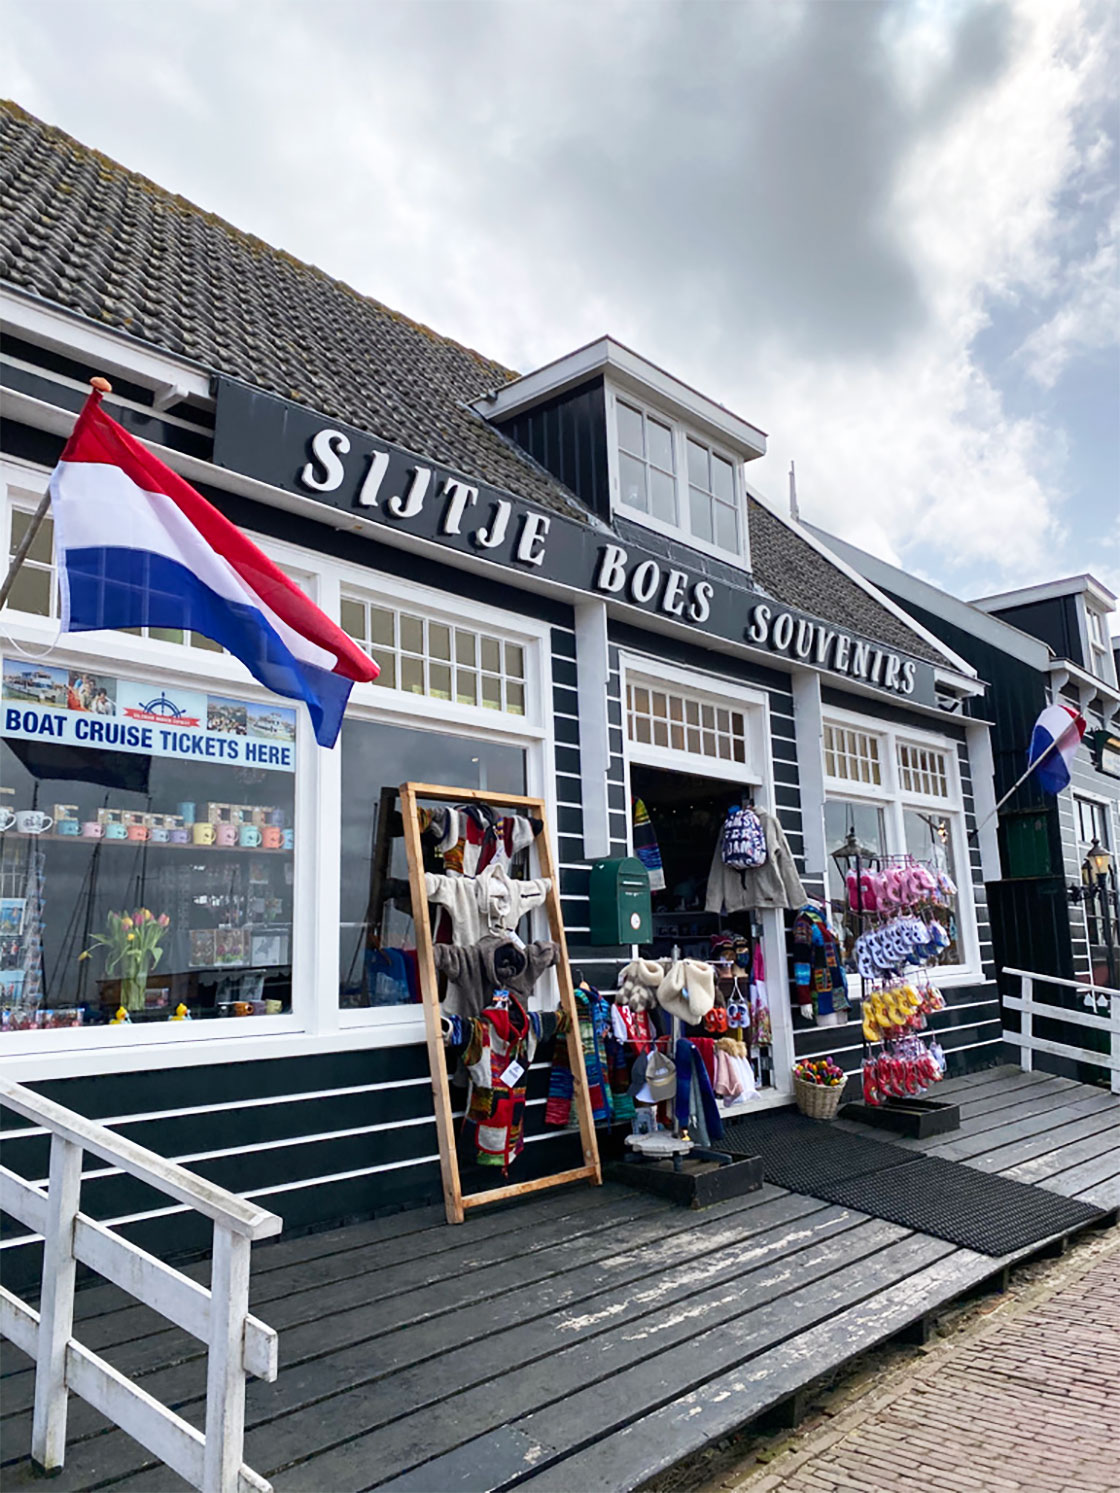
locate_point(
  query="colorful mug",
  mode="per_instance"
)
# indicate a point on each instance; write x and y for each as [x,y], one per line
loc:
[160,834]
[180,836]
[7,819]
[186,812]
[114,830]
[67,827]
[289,839]
[92,830]
[139,832]
[33,821]
[249,836]
[277,817]
[271,837]
[203,833]
[225,834]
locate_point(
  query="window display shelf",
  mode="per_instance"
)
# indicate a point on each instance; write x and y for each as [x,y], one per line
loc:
[48,839]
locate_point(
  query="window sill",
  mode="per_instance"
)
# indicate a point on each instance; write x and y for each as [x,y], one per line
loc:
[736,559]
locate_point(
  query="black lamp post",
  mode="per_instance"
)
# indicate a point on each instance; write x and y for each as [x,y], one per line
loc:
[1098,883]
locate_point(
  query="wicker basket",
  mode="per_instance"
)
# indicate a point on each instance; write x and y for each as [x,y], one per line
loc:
[817,1100]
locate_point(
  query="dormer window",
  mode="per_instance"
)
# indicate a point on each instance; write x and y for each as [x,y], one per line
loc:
[1098,660]
[674,480]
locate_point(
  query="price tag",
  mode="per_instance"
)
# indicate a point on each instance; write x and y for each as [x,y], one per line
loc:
[511,1075]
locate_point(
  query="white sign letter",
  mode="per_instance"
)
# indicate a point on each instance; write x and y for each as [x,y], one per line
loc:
[534,526]
[326,447]
[458,495]
[410,505]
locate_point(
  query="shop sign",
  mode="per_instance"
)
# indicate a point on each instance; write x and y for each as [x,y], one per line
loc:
[294,449]
[1106,752]
[78,707]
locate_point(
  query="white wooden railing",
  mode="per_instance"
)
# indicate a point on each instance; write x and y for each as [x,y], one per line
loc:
[237,1343]
[1030,1007]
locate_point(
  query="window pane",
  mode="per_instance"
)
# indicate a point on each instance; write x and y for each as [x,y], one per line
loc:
[515,699]
[42,546]
[840,816]
[632,482]
[382,627]
[723,479]
[439,681]
[412,675]
[208,644]
[439,641]
[465,648]
[31,592]
[371,969]
[660,445]
[412,634]
[630,429]
[727,527]
[700,506]
[466,687]
[491,693]
[387,679]
[492,655]
[698,464]
[662,496]
[515,661]
[352,616]
[166,634]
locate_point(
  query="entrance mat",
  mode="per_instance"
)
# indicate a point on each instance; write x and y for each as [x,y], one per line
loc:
[975,1210]
[990,1214]
[800,1153]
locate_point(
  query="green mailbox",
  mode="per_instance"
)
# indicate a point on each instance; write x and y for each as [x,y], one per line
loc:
[620,904]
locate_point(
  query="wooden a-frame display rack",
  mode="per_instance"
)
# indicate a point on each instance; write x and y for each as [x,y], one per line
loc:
[456,1202]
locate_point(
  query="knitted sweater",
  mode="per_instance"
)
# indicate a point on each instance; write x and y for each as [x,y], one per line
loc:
[494,963]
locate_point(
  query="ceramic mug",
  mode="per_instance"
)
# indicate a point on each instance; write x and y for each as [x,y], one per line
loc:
[7,819]
[115,831]
[160,834]
[271,837]
[139,832]
[249,835]
[289,839]
[277,818]
[273,1008]
[92,830]
[180,836]
[186,812]
[243,1008]
[203,834]
[225,834]
[67,827]
[33,821]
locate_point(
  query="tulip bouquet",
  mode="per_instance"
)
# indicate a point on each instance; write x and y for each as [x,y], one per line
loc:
[132,944]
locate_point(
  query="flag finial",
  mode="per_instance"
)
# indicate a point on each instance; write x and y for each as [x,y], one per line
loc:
[102,385]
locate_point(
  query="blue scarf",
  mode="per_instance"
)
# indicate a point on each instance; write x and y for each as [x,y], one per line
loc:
[690,1068]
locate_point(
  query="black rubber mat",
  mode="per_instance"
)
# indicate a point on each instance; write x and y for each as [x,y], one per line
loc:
[990,1214]
[947,1199]
[799,1153]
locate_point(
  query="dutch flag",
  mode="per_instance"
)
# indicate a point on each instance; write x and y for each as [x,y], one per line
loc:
[1057,735]
[138,547]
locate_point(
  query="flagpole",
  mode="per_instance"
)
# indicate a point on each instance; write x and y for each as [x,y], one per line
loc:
[1039,760]
[100,386]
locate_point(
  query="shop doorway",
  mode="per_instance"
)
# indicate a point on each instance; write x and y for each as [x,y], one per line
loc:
[686,813]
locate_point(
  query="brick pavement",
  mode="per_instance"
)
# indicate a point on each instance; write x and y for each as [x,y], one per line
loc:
[1028,1402]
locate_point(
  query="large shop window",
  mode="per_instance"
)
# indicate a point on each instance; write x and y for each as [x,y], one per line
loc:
[899,802]
[377,939]
[147,844]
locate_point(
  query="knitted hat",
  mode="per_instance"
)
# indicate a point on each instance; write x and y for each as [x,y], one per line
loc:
[638,982]
[688,991]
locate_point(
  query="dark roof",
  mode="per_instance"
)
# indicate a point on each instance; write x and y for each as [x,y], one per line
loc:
[86,234]
[790,567]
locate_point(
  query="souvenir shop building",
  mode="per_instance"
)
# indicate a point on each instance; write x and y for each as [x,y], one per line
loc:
[571,591]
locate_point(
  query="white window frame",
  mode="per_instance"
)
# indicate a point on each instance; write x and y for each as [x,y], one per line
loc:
[315,1023]
[682,432]
[893,800]
[757,773]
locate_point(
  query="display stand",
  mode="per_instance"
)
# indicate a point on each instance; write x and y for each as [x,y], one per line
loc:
[455,1200]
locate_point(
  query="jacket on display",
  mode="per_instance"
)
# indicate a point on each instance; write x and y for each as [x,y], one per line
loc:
[775,884]
[496,962]
[491,902]
[495,1119]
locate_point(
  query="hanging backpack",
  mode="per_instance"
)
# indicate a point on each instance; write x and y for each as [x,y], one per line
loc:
[744,840]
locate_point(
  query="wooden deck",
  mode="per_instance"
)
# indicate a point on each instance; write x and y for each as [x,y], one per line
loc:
[585,1339]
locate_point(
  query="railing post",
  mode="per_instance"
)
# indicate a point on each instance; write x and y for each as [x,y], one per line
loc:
[225,1368]
[1114,1040]
[56,1309]
[1026,1025]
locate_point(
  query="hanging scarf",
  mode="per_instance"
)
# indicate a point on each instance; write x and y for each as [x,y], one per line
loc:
[646,847]
[694,1084]
[594,1022]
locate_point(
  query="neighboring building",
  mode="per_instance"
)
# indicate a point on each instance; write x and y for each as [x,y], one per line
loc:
[1053,908]
[571,590]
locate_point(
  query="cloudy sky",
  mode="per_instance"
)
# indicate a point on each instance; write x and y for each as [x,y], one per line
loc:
[886,234]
